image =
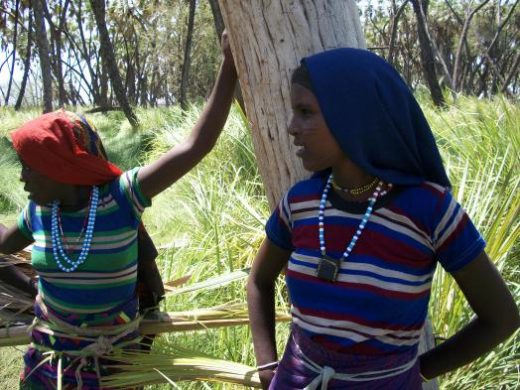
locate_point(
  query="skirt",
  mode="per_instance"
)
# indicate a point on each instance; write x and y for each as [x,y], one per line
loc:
[306,363]
[54,352]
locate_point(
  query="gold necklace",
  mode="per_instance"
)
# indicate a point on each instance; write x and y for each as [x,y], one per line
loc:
[358,190]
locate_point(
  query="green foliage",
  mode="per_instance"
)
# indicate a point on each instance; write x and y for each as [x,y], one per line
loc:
[480,141]
[211,221]
[479,61]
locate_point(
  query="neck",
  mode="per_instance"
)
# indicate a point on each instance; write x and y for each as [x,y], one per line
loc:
[348,175]
[75,198]
[351,177]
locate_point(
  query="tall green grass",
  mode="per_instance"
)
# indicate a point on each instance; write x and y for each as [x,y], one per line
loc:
[211,221]
[480,143]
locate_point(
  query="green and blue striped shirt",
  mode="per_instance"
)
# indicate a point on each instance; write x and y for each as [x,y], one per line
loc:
[107,279]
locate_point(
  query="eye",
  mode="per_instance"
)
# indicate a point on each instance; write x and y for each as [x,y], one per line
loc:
[26,168]
[303,111]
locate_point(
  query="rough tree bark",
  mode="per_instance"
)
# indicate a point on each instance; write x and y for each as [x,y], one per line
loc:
[268,40]
[43,52]
[109,60]
[219,28]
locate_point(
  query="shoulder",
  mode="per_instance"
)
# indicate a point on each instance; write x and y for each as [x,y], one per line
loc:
[424,196]
[423,204]
[307,189]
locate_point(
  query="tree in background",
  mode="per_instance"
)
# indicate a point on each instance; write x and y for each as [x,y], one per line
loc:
[420,8]
[148,40]
[43,53]
[474,44]
[463,46]
[109,60]
[187,52]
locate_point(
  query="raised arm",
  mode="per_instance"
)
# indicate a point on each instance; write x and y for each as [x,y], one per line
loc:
[159,175]
[496,319]
[268,264]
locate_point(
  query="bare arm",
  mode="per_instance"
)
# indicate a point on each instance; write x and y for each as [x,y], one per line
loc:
[268,264]
[159,175]
[496,319]
[12,240]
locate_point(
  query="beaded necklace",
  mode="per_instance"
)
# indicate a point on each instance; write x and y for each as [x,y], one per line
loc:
[57,242]
[328,267]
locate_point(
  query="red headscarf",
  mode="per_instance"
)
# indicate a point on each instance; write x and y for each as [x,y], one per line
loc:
[64,147]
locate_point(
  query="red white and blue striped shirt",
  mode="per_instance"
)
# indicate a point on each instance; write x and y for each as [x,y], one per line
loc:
[380,299]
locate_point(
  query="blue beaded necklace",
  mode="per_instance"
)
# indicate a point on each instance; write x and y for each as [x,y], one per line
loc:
[328,267]
[57,242]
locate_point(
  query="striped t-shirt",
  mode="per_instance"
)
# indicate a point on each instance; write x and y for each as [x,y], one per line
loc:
[379,302]
[108,277]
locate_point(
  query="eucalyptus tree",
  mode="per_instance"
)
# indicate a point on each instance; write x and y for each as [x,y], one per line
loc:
[474,44]
[187,52]
[43,53]
[15,36]
[57,28]
[109,60]
[420,8]
[26,63]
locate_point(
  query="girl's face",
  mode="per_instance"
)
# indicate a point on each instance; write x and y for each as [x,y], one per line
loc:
[42,190]
[318,148]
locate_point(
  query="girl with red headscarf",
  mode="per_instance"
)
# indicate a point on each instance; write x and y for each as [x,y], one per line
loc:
[83,219]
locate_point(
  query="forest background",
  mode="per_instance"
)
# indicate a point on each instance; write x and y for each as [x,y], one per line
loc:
[143,68]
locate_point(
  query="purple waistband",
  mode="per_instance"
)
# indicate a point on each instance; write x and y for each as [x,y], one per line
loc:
[340,361]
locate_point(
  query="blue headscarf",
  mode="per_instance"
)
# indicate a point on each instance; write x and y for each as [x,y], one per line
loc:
[374,117]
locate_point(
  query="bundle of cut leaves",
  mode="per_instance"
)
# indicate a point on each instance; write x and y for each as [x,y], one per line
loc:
[16,302]
[139,368]
[174,364]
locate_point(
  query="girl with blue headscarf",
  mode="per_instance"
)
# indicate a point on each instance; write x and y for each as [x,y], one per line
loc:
[361,238]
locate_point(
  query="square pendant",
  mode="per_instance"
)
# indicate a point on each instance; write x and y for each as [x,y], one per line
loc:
[328,268]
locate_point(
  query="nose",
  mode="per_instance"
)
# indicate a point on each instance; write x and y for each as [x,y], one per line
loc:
[292,128]
[24,174]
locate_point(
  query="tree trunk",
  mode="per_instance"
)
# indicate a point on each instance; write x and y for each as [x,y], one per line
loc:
[219,28]
[109,60]
[187,51]
[217,17]
[26,64]
[43,51]
[13,64]
[85,53]
[268,40]
[427,57]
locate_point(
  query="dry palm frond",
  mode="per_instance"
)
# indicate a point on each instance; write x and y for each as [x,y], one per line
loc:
[217,281]
[138,369]
[173,285]
[216,317]
[16,304]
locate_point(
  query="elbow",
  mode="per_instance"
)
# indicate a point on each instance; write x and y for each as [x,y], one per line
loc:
[507,324]
[512,323]
[515,321]
[256,287]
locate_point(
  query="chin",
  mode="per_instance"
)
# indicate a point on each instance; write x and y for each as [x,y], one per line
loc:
[39,201]
[313,167]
